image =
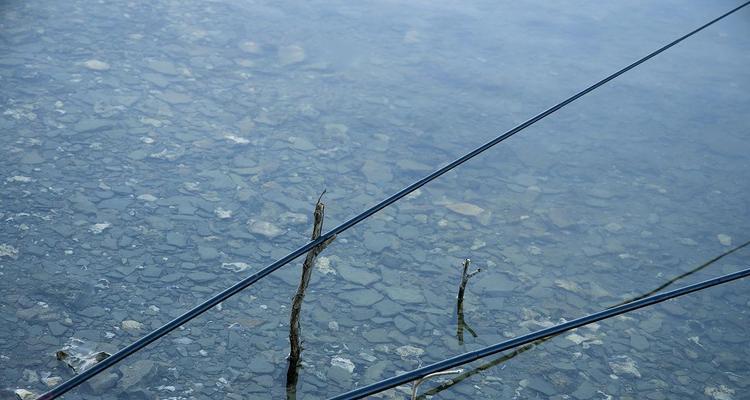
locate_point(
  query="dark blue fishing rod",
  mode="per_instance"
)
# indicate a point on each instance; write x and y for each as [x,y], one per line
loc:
[534,336]
[243,284]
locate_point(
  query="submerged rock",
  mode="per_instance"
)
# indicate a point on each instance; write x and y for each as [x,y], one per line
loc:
[467,209]
[7,250]
[96,65]
[264,228]
[409,351]
[78,357]
[624,365]
[724,239]
[289,55]
[343,363]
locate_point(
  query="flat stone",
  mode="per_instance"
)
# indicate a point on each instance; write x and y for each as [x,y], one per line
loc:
[376,172]
[32,157]
[467,209]
[289,55]
[93,312]
[176,239]
[103,382]
[162,67]
[207,253]
[410,295]
[135,373]
[361,297]
[96,65]
[376,242]
[541,385]
[201,276]
[360,276]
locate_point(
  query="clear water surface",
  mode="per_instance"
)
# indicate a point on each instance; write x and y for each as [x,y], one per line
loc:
[153,153]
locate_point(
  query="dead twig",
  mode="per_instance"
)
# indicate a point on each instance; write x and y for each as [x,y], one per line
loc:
[295,348]
[461,324]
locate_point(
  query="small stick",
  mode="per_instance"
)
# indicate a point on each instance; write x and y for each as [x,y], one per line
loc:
[294,326]
[465,276]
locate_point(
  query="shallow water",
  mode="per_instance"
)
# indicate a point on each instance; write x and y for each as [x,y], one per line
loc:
[153,154]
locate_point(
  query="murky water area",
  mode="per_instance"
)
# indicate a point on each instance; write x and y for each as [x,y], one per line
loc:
[154,153]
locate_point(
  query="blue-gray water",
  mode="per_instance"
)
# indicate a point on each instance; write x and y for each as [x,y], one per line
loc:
[153,153]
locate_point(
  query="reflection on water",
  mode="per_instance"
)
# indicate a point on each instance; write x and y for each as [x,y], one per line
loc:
[154,153]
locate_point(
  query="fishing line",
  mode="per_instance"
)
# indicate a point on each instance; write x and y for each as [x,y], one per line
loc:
[239,286]
[464,358]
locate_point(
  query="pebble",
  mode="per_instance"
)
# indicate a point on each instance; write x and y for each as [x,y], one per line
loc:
[289,55]
[467,209]
[357,275]
[265,228]
[99,228]
[720,392]
[24,394]
[235,266]
[96,65]
[7,250]
[131,325]
[624,365]
[408,351]
[222,213]
[342,362]
[135,373]
[376,172]
[724,239]
[147,197]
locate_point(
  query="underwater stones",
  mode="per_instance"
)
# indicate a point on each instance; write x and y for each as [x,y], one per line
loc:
[343,363]
[467,209]
[96,65]
[162,67]
[361,297]
[236,139]
[235,266]
[176,239]
[376,172]
[7,250]
[147,197]
[720,392]
[624,365]
[250,47]
[539,384]
[24,394]
[264,228]
[174,97]
[410,295]
[201,277]
[93,312]
[207,253]
[103,382]
[131,325]
[724,239]
[289,55]
[359,276]
[32,157]
[376,242]
[134,374]
[613,227]
[409,351]
[222,213]
[99,228]
[291,218]
[19,179]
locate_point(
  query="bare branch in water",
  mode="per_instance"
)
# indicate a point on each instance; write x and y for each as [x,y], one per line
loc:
[294,327]
[461,324]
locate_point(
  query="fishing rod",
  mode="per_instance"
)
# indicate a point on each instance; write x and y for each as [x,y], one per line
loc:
[246,282]
[534,336]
